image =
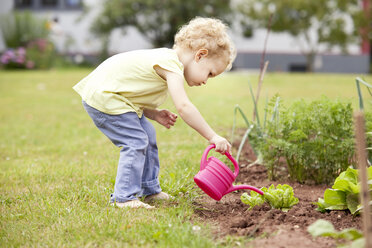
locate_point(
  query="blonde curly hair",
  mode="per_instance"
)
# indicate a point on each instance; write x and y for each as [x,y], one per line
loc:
[207,33]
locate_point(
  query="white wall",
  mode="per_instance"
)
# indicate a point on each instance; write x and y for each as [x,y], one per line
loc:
[5,7]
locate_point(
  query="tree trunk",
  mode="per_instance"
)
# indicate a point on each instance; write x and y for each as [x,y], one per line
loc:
[370,56]
[310,57]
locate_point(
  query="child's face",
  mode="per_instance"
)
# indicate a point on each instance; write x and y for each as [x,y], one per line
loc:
[203,67]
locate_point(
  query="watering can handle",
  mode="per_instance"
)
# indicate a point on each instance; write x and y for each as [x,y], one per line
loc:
[204,159]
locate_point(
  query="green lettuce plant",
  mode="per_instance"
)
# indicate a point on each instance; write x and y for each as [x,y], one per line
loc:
[254,199]
[282,197]
[344,193]
[326,229]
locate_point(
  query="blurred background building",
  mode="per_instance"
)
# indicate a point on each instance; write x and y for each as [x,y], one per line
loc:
[72,36]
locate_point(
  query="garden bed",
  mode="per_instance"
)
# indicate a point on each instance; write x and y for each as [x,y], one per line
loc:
[270,227]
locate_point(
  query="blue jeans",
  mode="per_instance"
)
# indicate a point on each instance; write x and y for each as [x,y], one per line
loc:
[138,167]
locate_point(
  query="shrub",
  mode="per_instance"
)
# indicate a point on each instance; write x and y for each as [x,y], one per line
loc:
[38,54]
[315,141]
[25,36]
[20,28]
[15,58]
[41,52]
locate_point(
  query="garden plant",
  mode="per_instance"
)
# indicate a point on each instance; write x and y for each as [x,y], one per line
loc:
[27,43]
[315,139]
[282,197]
[344,193]
[323,228]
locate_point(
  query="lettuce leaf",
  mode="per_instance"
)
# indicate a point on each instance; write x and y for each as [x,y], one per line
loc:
[282,197]
[326,229]
[347,181]
[335,199]
[344,193]
[252,200]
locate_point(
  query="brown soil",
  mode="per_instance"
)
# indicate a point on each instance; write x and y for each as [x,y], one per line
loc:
[270,227]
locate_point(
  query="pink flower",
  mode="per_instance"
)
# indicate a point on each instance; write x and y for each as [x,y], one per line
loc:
[21,51]
[20,59]
[30,64]
[10,53]
[4,59]
[41,44]
[8,56]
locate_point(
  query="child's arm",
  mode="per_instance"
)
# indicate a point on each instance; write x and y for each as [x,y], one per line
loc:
[189,113]
[162,116]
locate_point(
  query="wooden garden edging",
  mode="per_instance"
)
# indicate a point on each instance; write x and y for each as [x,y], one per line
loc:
[362,164]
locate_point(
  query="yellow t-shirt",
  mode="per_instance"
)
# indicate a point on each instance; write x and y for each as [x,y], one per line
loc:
[127,82]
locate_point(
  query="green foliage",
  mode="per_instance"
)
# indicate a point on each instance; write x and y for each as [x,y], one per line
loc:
[38,54]
[41,52]
[157,21]
[282,197]
[344,193]
[256,130]
[315,139]
[326,229]
[360,82]
[255,199]
[259,132]
[20,28]
[26,40]
[330,19]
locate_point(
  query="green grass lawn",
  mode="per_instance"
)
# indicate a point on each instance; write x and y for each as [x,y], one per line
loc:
[57,170]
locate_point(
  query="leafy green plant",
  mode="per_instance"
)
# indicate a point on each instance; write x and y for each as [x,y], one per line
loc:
[344,193]
[282,197]
[315,140]
[38,54]
[256,130]
[20,28]
[26,39]
[255,199]
[359,82]
[42,53]
[326,229]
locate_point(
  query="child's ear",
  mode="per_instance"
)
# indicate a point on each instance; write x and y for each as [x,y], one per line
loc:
[201,53]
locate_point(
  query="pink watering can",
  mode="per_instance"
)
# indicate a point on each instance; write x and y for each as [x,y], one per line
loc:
[216,179]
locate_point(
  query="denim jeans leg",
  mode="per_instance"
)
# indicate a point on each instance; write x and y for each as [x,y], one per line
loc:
[124,131]
[150,180]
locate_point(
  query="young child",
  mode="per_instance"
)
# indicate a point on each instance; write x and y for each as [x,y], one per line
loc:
[126,89]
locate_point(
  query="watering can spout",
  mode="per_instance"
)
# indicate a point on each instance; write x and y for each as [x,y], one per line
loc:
[238,187]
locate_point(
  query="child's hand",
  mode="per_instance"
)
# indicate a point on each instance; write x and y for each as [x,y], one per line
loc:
[165,118]
[222,145]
